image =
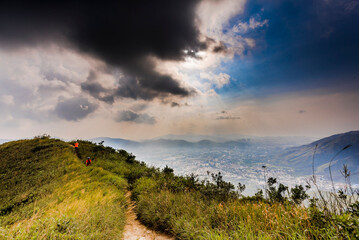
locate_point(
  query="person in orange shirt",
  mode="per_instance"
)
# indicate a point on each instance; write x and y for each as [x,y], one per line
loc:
[77,149]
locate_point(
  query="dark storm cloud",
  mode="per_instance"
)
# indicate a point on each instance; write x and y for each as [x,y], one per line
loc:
[121,33]
[142,82]
[94,88]
[220,48]
[129,116]
[174,104]
[74,109]
[139,107]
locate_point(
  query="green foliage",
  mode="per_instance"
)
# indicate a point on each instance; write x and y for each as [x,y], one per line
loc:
[47,193]
[187,216]
[348,225]
[167,170]
[24,171]
[218,189]
[241,187]
[130,158]
[211,209]
[259,194]
[298,194]
[276,194]
[354,209]
[144,185]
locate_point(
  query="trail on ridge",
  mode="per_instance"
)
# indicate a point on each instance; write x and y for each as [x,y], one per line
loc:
[134,230]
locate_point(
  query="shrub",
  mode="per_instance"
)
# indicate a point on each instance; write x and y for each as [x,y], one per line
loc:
[298,194]
[167,170]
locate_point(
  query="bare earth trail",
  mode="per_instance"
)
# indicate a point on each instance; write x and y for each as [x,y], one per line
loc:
[134,230]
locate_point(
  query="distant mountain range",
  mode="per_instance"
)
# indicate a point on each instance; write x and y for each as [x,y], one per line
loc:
[195,141]
[223,150]
[173,142]
[280,151]
[293,140]
[301,158]
[167,143]
[196,138]
[116,143]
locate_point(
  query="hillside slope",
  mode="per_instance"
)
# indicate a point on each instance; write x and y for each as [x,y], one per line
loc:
[48,193]
[301,157]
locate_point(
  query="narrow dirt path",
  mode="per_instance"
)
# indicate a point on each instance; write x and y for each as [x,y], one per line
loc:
[134,230]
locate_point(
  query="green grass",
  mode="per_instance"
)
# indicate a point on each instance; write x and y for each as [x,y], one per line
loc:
[183,208]
[47,192]
[187,216]
[50,194]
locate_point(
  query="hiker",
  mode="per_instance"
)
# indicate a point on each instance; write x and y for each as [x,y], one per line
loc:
[88,161]
[77,149]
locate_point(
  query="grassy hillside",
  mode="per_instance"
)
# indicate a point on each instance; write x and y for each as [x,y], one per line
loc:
[48,193]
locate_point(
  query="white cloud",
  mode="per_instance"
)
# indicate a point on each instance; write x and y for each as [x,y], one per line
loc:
[219,80]
[253,24]
[243,27]
[250,42]
[7,99]
[213,19]
[214,15]
[222,79]
[211,93]
[34,79]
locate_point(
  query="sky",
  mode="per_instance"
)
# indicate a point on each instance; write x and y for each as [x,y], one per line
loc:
[143,69]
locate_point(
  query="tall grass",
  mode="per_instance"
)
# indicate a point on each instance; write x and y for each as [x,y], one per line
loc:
[335,201]
[68,200]
[187,216]
[192,209]
[48,193]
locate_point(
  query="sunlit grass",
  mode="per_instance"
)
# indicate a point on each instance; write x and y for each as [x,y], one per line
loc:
[48,193]
[83,203]
[186,216]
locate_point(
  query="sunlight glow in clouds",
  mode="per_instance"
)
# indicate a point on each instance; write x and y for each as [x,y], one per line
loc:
[214,66]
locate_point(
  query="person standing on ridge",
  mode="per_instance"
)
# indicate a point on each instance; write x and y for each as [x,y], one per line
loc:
[77,149]
[88,161]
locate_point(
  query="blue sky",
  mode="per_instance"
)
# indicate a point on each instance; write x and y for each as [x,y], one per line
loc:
[306,45]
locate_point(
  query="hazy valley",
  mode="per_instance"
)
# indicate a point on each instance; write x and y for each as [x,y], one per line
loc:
[241,160]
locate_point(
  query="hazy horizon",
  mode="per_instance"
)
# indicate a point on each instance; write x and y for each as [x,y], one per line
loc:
[177,136]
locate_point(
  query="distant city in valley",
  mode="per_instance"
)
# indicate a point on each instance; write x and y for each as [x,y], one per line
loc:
[289,159]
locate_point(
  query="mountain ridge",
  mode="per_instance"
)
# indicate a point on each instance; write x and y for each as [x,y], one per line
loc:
[301,157]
